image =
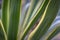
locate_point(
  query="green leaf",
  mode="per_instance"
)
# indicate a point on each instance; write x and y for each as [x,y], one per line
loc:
[1,25]
[46,20]
[55,32]
[14,11]
[51,32]
[34,19]
[36,8]
[5,14]
[29,13]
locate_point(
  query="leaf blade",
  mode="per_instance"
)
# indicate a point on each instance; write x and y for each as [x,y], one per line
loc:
[43,27]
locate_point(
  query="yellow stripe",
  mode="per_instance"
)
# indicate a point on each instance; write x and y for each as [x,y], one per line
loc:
[43,16]
[3,30]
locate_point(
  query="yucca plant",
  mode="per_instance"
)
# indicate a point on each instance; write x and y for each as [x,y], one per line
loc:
[36,23]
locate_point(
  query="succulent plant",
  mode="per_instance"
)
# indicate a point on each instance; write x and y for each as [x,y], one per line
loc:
[35,24]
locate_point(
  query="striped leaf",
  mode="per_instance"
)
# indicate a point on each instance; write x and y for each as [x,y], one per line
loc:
[5,14]
[46,20]
[35,18]
[14,11]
